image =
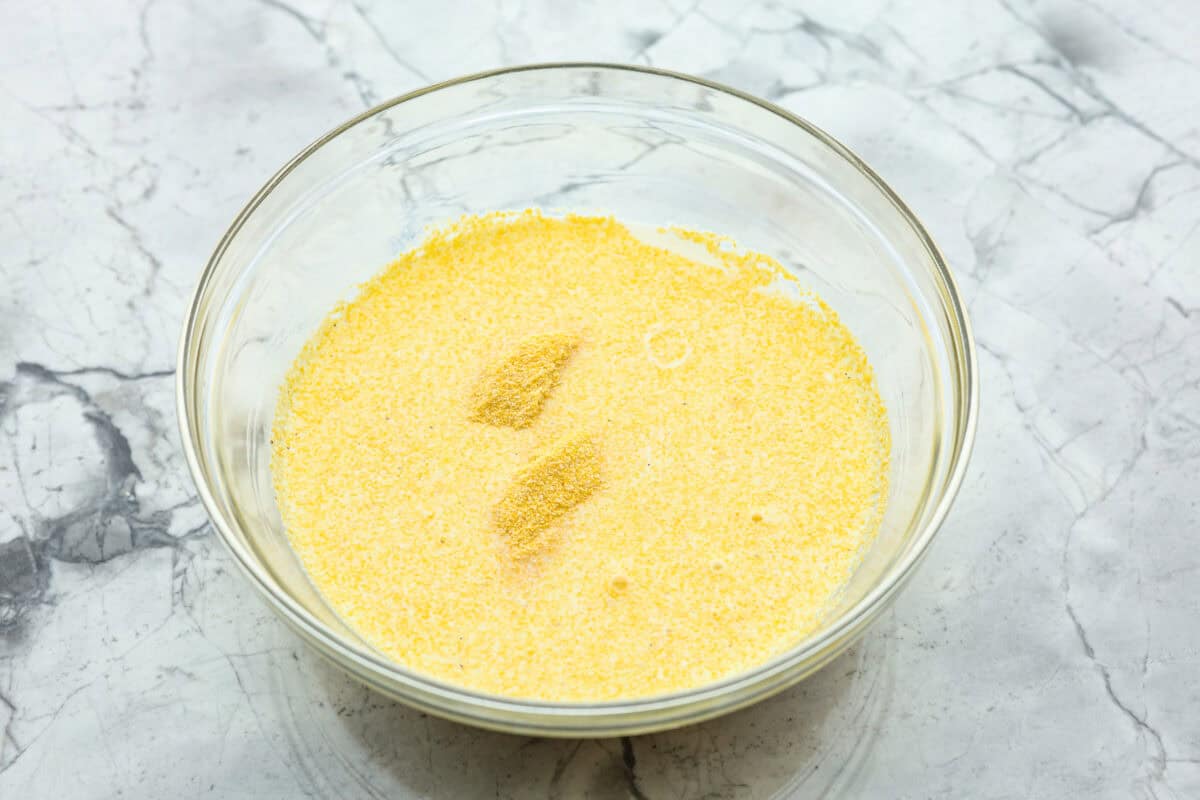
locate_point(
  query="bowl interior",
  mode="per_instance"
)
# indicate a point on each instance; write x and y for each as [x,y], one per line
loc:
[646,148]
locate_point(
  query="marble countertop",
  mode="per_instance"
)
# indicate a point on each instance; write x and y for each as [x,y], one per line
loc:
[1050,645]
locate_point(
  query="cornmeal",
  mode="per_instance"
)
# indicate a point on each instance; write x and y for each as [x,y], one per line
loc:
[543,458]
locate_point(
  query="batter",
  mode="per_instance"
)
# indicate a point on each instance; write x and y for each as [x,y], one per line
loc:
[542,457]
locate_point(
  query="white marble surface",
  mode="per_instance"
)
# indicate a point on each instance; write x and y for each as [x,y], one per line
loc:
[1050,645]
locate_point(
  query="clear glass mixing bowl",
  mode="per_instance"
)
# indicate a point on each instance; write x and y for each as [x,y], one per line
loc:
[645,146]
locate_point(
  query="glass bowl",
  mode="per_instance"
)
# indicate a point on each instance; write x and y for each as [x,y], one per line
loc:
[646,146]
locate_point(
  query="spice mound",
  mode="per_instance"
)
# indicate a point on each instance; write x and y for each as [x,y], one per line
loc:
[560,458]
[557,481]
[514,392]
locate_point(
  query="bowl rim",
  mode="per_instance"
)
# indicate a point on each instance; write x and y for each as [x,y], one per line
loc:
[540,716]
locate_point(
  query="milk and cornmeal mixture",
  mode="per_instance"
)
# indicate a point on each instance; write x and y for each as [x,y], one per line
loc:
[539,457]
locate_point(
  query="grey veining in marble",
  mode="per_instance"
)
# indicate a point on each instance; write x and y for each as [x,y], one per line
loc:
[1049,647]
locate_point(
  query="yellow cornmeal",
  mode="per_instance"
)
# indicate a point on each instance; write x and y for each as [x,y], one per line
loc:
[696,463]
